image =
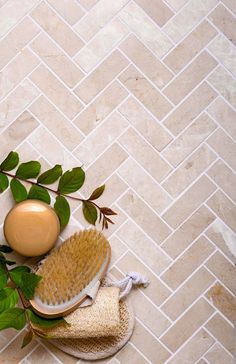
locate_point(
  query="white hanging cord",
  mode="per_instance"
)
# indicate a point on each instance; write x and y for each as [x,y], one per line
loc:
[131,279]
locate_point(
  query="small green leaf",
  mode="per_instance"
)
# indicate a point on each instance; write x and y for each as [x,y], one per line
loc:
[4,183]
[39,193]
[50,176]
[90,212]
[42,322]
[8,298]
[3,276]
[16,274]
[71,181]
[27,338]
[18,190]
[25,280]
[62,209]
[10,162]
[5,249]
[97,193]
[13,317]
[28,170]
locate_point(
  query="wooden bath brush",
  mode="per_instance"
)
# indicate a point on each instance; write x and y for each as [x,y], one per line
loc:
[71,273]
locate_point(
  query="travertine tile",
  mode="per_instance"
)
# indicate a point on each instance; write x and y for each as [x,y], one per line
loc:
[224,177]
[149,33]
[217,355]
[190,108]
[118,249]
[222,330]
[224,208]
[63,357]
[157,10]
[58,61]
[225,52]
[190,77]
[224,301]
[102,106]
[127,353]
[103,74]
[145,92]
[224,146]
[144,154]
[225,84]
[188,262]
[230,4]
[187,324]
[194,135]
[176,4]
[189,201]
[224,115]
[225,21]
[148,220]
[57,29]
[190,46]
[114,187]
[155,134]
[56,91]
[41,356]
[87,4]
[71,11]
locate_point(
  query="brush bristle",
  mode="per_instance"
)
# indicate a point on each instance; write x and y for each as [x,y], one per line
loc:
[70,267]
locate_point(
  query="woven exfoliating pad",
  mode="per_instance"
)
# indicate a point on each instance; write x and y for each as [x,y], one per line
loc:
[102,347]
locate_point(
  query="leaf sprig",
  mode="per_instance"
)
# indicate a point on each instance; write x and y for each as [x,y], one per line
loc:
[68,182]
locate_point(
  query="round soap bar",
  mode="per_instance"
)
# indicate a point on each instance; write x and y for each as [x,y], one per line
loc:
[31,228]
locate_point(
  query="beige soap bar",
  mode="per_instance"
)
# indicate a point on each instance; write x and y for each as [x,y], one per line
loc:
[31,228]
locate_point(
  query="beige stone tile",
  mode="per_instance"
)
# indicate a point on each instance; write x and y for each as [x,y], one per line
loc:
[114,187]
[100,107]
[187,18]
[190,77]
[217,355]
[190,46]
[118,220]
[101,76]
[12,12]
[6,336]
[225,84]
[16,40]
[230,4]
[202,361]
[176,4]
[187,263]
[15,71]
[143,247]
[145,92]
[157,10]
[101,44]
[56,123]
[118,249]
[56,91]
[224,115]
[224,301]
[187,324]
[149,33]
[71,11]
[188,293]
[194,135]
[144,217]
[87,4]
[190,108]
[187,172]
[155,134]
[144,154]
[41,356]
[101,138]
[150,347]
[16,102]
[156,290]
[58,61]
[223,269]
[222,330]
[146,61]
[224,146]
[187,232]
[57,29]
[128,353]
[224,208]
[63,357]
[189,201]
[98,16]
[225,21]
[224,177]
[225,52]
[144,185]
[194,349]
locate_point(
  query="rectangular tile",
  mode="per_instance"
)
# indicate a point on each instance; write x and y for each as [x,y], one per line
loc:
[129,352]
[223,331]
[176,4]
[225,84]
[190,77]
[223,300]
[225,52]
[224,115]
[217,355]
[145,92]
[157,10]
[189,201]
[224,146]
[225,21]
[71,11]
[41,356]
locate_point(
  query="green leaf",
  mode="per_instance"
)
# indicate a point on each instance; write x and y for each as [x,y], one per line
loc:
[3,276]
[71,181]
[8,298]
[50,176]
[13,317]
[42,322]
[62,209]
[97,193]
[4,183]
[16,274]
[10,162]
[28,170]
[27,338]
[90,212]
[18,191]
[26,281]
[5,249]
[39,193]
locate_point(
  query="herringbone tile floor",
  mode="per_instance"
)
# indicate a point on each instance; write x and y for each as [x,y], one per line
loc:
[143,94]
